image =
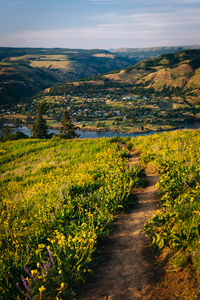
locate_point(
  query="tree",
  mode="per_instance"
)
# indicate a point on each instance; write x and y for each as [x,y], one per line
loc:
[39,128]
[5,130]
[67,131]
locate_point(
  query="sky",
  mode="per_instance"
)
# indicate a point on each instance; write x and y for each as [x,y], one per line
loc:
[102,24]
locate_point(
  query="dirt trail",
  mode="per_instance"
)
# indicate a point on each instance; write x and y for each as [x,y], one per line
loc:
[129,267]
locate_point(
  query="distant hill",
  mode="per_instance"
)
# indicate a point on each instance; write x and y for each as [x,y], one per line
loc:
[138,54]
[175,76]
[170,75]
[26,71]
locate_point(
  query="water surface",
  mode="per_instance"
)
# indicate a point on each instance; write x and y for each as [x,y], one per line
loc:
[109,134]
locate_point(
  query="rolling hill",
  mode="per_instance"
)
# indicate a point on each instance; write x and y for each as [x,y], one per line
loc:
[26,71]
[139,54]
[173,76]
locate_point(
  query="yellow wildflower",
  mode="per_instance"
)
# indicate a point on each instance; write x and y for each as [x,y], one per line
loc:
[42,289]
[62,285]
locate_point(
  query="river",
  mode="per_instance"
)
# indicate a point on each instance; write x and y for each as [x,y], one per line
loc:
[109,134]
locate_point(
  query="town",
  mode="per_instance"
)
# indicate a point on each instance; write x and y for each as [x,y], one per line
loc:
[104,112]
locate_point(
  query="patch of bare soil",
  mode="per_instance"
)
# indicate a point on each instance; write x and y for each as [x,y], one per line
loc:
[129,267]
[177,283]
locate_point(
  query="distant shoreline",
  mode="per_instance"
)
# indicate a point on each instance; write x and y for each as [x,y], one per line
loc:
[103,130]
[94,129]
[111,131]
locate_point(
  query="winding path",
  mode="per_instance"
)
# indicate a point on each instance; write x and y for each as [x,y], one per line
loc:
[129,268]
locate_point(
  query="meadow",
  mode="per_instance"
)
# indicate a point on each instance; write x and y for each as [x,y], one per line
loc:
[176,225]
[58,200]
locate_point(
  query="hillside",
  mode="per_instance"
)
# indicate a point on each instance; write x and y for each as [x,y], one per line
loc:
[59,199]
[25,71]
[139,54]
[174,76]
[155,94]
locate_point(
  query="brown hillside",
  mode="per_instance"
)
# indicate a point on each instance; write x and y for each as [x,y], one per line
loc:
[172,76]
[194,81]
[124,76]
[178,76]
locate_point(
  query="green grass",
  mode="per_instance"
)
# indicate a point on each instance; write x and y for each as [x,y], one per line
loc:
[177,223]
[165,104]
[52,123]
[58,199]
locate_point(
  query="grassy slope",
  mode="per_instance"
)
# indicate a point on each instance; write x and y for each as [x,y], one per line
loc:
[176,223]
[61,196]
[57,200]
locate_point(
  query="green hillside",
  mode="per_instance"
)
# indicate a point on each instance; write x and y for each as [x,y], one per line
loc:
[26,71]
[175,227]
[58,200]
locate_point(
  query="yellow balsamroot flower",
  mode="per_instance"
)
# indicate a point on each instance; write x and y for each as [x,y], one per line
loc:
[35,272]
[196,212]
[63,285]
[69,238]
[42,289]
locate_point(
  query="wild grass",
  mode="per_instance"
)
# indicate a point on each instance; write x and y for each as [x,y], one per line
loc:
[177,223]
[58,199]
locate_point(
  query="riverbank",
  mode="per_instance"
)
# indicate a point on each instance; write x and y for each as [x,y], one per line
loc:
[130,131]
[54,126]
[96,129]
[93,132]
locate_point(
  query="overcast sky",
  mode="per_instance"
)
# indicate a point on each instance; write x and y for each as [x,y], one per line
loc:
[100,24]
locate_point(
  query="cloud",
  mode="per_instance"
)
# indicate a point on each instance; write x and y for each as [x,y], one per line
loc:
[161,19]
[136,27]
